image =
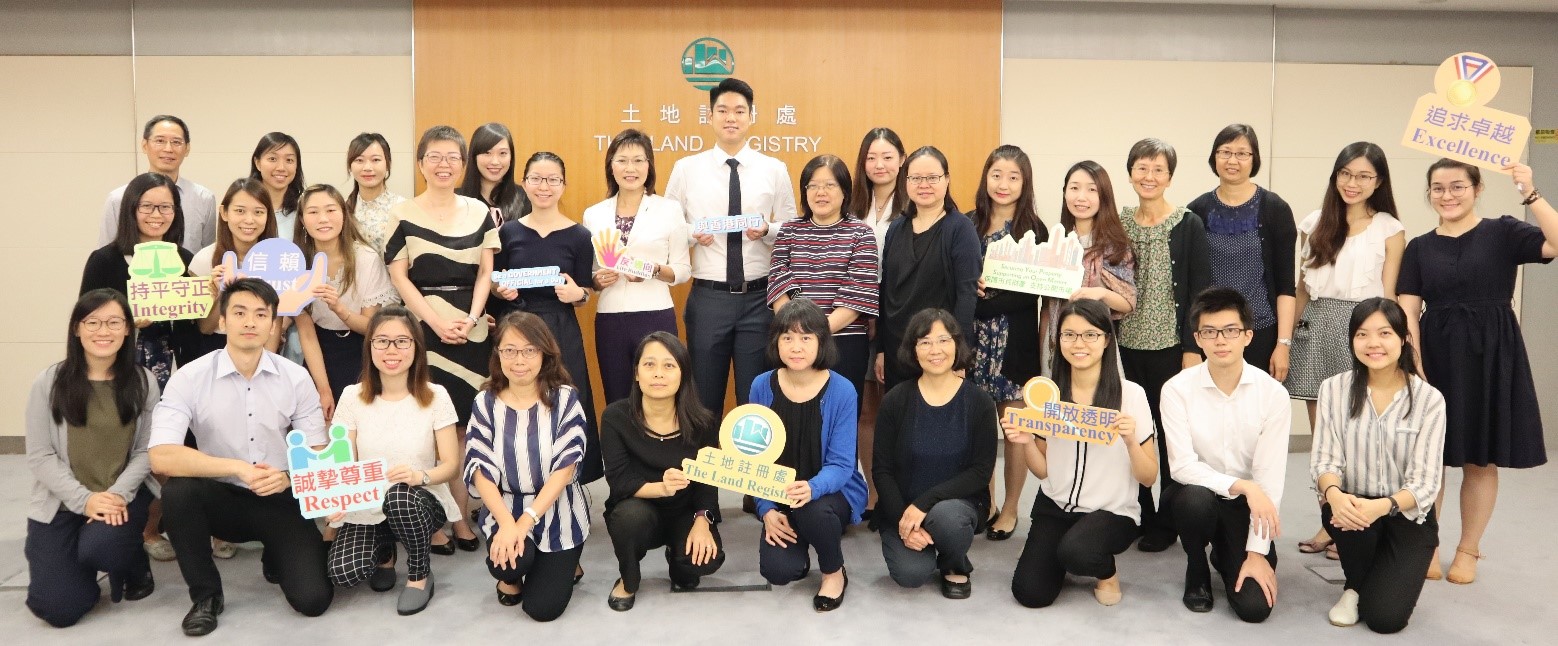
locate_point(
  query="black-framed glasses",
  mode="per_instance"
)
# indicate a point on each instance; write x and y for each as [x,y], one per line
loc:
[146,208]
[925,179]
[400,342]
[114,324]
[1241,155]
[1090,336]
[1208,334]
[537,180]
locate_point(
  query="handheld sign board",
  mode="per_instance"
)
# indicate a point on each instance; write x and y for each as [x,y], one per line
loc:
[159,290]
[726,223]
[529,278]
[611,253]
[1051,268]
[1454,121]
[279,262]
[1047,416]
[750,438]
[329,481]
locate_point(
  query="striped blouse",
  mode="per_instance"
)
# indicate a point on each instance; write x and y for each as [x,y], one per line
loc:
[1378,454]
[834,266]
[506,447]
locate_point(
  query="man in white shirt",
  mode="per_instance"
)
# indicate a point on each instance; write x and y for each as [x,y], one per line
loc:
[727,316]
[165,141]
[239,402]
[1226,423]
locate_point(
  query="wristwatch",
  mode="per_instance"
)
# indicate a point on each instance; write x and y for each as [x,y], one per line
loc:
[1286,342]
[1395,507]
[426,479]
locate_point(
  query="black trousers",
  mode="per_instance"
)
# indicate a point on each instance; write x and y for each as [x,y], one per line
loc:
[637,526]
[1083,544]
[820,525]
[65,554]
[1384,564]
[854,356]
[725,329]
[1258,352]
[545,579]
[197,509]
[1150,369]
[1205,518]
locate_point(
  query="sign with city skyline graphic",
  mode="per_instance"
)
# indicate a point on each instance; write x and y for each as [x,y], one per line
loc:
[707,61]
[751,437]
[1050,268]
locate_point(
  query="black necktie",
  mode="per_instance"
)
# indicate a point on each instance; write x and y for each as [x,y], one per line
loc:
[735,272]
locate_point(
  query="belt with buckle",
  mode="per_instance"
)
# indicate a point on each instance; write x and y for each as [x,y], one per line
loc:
[758,285]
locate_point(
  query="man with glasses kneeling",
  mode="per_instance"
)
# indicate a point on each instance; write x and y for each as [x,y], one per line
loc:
[1226,423]
[239,402]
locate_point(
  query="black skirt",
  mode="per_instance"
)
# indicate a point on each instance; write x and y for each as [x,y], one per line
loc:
[343,357]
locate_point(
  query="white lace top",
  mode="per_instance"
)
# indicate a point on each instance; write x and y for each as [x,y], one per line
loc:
[1359,270]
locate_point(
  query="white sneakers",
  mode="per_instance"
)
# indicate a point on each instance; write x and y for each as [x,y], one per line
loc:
[1345,612]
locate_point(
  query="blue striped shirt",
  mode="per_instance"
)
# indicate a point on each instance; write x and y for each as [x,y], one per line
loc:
[510,449]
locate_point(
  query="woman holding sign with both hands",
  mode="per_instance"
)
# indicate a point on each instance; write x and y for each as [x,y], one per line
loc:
[644,439]
[934,455]
[817,408]
[1087,510]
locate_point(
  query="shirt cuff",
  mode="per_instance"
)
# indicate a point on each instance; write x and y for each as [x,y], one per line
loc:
[1257,544]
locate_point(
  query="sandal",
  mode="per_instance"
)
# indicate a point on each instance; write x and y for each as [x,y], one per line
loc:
[1331,553]
[1315,545]
[1460,576]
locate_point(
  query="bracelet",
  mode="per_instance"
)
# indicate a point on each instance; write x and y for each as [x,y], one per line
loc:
[531,512]
[472,319]
[1328,490]
[1531,199]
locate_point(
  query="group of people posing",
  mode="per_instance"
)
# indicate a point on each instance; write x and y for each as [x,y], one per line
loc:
[857,315]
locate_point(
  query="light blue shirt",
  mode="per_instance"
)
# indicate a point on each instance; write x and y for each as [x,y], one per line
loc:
[237,418]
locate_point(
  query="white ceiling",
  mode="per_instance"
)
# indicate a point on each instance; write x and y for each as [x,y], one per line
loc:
[1427,5]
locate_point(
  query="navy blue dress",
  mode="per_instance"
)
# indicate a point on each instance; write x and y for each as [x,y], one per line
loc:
[1472,348]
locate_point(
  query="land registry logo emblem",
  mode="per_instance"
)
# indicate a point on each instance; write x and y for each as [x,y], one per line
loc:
[707,61]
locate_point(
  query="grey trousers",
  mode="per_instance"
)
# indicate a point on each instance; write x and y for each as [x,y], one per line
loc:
[951,525]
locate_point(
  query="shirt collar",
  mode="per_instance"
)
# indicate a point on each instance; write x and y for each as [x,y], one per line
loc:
[225,367]
[1204,376]
[746,156]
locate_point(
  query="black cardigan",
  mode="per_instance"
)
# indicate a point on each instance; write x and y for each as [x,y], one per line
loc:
[960,246]
[633,459]
[1278,239]
[893,417]
[107,268]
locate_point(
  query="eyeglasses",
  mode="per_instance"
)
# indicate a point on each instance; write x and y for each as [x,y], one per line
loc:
[926,179]
[146,208]
[1455,190]
[163,142]
[1208,334]
[384,342]
[536,180]
[825,186]
[1344,177]
[511,353]
[1090,336]
[1242,155]
[928,343]
[628,162]
[436,158]
[1150,172]
[115,324]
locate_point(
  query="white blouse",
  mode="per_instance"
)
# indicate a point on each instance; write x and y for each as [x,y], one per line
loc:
[659,234]
[879,225]
[371,287]
[374,220]
[1359,270]
[399,432]
[1087,477]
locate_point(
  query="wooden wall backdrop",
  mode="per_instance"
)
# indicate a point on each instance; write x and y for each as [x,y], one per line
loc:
[560,73]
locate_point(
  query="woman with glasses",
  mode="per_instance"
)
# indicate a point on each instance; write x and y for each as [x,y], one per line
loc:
[546,238]
[490,175]
[1351,251]
[332,327]
[526,441]
[934,456]
[1171,268]
[1250,234]
[87,423]
[1460,277]
[1087,510]
[653,229]
[931,260]
[398,415]
[440,261]
[829,257]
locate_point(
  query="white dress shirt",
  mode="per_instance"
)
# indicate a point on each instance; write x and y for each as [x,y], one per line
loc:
[659,235]
[701,184]
[237,418]
[1215,439]
[197,203]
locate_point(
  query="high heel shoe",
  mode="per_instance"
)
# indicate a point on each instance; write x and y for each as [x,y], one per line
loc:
[827,604]
[1463,575]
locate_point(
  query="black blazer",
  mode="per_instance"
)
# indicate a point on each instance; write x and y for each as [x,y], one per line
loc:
[895,415]
[960,245]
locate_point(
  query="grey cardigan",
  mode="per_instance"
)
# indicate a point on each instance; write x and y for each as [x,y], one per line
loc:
[48,458]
